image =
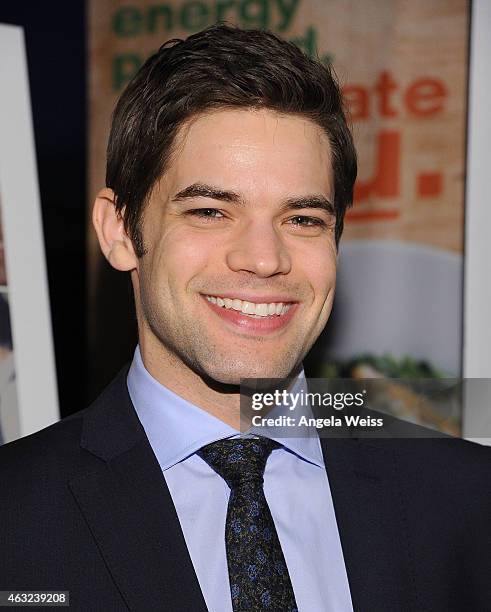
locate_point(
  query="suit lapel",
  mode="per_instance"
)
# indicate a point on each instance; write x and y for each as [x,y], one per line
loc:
[129,510]
[370,514]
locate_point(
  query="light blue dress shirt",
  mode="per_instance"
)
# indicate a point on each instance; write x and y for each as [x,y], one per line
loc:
[295,485]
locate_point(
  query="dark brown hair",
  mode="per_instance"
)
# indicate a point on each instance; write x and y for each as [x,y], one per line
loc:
[220,67]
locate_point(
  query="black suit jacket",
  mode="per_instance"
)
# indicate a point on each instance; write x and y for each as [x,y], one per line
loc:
[84,507]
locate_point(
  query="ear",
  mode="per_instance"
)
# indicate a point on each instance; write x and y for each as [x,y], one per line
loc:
[113,239]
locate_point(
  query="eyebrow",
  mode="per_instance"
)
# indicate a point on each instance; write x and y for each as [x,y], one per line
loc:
[201,190]
[311,201]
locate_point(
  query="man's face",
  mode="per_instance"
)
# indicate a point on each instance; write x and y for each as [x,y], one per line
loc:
[240,223]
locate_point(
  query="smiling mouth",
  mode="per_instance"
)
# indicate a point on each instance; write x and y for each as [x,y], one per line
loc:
[252,309]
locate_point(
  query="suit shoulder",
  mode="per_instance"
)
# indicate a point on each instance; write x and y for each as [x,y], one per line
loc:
[417,444]
[58,444]
[53,444]
[447,451]
[448,467]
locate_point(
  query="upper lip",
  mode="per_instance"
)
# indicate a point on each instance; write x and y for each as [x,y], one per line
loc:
[256,299]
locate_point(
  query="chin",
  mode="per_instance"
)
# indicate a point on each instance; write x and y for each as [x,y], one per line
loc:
[233,375]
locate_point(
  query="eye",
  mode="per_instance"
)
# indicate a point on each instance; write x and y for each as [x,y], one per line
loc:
[206,213]
[303,221]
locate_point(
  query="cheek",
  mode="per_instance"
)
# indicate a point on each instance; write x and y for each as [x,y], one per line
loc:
[318,267]
[183,255]
[324,281]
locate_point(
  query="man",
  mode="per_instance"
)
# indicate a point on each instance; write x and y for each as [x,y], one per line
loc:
[230,167]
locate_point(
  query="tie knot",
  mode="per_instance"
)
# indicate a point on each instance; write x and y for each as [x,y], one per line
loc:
[239,460]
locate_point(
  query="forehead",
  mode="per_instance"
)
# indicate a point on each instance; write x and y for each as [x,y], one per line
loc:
[252,150]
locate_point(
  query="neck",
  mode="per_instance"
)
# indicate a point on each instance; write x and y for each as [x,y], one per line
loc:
[220,400]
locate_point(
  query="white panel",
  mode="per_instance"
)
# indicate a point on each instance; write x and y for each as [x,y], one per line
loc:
[477,287]
[23,237]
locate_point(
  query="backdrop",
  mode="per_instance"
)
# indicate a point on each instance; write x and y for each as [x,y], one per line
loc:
[403,69]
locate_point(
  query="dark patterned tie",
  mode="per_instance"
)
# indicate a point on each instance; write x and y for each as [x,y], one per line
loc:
[258,574]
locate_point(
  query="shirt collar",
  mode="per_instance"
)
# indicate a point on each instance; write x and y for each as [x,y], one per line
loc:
[177,428]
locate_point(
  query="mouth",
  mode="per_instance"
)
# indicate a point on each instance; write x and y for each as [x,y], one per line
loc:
[252,316]
[253,309]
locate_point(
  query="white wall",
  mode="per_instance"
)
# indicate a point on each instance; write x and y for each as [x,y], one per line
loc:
[23,238]
[477,279]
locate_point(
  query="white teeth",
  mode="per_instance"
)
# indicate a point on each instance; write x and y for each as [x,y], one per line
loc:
[248,308]
[251,308]
[262,309]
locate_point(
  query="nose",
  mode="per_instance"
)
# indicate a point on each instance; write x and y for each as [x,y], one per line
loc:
[259,249]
